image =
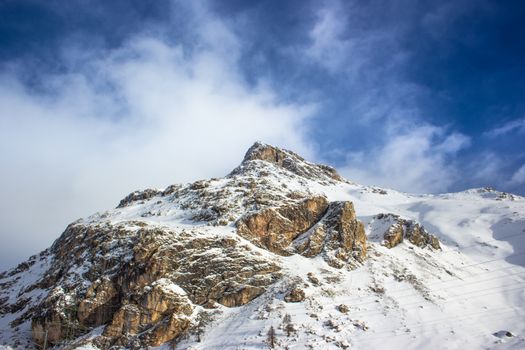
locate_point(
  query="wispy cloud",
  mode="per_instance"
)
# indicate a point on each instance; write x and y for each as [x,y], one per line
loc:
[517,125]
[342,43]
[417,159]
[368,60]
[407,153]
[518,177]
[329,48]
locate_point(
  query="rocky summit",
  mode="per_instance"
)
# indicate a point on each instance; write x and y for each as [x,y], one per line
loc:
[278,244]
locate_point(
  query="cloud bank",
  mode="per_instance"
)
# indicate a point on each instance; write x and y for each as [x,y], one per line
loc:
[150,113]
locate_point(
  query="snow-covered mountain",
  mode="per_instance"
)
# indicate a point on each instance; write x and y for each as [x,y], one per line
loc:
[278,244]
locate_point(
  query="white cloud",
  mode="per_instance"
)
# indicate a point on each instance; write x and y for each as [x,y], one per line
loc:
[485,170]
[369,58]
[517,125]
[148,114]
[518,178]
[417,159]
[411,156]
[328,46]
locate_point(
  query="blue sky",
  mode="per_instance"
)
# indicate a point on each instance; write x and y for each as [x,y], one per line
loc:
[99,98]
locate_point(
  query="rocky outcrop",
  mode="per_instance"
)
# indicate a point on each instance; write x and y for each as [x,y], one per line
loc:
[395,233]
[309,227]
[276,228]
[399,229]
[143,283]
[160,314]
[211,269]
[290,161]
[138,196]
[339,236]
[417,235]
[98,303]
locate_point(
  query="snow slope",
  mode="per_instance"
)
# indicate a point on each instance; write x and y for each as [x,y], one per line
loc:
[405,297]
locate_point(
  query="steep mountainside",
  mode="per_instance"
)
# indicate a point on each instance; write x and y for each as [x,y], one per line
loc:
[284,243]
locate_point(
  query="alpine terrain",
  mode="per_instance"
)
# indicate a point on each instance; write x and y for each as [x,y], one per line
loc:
[280,253]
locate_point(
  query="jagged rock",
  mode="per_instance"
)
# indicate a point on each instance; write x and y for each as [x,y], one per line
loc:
[54,319]
[199,185]
[296,295]
[313,244]
[161,314]
[138,196]
[399,229]
[96,307]
[395,232]
[346,236]
[290,161]
[276,228]
[50,329]
[339,236]
[418,236]
[151,282]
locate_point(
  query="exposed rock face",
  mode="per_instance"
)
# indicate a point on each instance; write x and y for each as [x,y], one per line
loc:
[161,314]
[395,232]
[276,228]
[417,235]
[400,229]
[146,289]
[138,196]
[339,236]
[313,225]
[96,307]
[292,162]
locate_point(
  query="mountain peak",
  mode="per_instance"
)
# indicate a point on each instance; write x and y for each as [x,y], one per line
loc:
[289,161]
[268,153]
[279,241]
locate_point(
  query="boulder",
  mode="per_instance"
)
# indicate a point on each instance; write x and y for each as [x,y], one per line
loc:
[342,308]
[296,295]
